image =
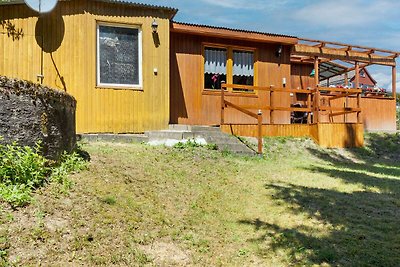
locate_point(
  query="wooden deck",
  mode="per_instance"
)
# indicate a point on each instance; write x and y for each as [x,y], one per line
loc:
[329,135]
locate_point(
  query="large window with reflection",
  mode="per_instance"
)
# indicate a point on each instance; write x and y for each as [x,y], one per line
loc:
[119,55]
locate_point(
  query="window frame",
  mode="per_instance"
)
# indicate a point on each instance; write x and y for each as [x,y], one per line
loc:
[204,61]
[138,86]
[229,68]
[254,68]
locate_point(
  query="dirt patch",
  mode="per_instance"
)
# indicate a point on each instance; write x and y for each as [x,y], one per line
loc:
[166,254]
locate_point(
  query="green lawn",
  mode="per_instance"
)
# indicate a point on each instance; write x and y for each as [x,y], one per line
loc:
[139,205]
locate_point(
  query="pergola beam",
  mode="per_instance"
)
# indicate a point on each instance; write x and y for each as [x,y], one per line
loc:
[338,54]
[350,47]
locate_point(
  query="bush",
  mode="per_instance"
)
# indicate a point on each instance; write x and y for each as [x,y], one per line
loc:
[22,166]
[192,143]
[24,169]
[69,163]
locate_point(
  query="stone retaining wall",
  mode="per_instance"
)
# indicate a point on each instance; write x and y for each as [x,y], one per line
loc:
[30,113]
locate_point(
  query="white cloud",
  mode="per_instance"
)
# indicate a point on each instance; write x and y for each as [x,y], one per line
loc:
[344,13]
[385,80]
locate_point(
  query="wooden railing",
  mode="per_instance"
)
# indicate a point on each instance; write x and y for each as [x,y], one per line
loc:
[313,104]
[335,93]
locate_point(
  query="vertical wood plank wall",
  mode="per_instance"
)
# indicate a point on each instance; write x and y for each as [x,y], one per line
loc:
[300,76]
[378,114]
[191,104]
[70,36]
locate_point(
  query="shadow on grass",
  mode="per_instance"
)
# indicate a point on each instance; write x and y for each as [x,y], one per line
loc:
[380,148]
[361,228]
[365,229]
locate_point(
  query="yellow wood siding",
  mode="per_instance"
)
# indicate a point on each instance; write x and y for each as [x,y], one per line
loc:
[70,45]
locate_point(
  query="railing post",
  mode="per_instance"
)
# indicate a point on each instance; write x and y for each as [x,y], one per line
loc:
[317,103]
[358,106]
[222,104]
[271,105]
[260,142]
[316,77]
[309,108]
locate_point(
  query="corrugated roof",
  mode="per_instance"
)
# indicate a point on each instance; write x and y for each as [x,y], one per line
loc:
[328,70]
[171,9]
[174,10]
[233,29]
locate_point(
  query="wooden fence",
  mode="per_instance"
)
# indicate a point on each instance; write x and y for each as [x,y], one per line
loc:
[312,108]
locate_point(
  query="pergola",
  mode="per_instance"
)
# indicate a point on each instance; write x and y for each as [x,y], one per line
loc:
[332,58]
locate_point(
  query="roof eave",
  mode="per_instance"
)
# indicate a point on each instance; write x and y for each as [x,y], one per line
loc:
[231,34]
[171,10]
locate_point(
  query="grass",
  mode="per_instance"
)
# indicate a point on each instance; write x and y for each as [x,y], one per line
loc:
[138,205]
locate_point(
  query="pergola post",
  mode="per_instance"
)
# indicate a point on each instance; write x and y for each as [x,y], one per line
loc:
[394,81]
[346,103]
[357,79]
[316,78]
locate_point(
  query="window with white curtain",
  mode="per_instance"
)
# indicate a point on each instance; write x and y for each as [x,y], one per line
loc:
[214,67]
[243,68]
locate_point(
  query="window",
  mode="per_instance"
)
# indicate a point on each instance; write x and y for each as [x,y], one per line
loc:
[119,56]
[228,65]
[243,68]
[214,67]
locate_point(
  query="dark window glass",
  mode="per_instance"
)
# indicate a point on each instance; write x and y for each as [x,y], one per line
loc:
[118,55]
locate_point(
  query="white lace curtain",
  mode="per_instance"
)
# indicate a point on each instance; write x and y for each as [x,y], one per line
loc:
[215,61]
[243,63]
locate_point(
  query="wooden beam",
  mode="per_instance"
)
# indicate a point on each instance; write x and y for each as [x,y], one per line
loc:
[357,79]
[394,74]
[371,51]
[251,114]
[320,45]
[340,109]
[264,88]
[341,113]
[259,133]
[316,69]
[343,90]
[334,53]
[340,96]
[350,46]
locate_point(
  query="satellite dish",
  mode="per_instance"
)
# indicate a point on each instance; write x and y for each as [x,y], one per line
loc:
[41,6]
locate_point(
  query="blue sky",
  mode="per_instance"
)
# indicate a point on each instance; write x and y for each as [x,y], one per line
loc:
[361,22]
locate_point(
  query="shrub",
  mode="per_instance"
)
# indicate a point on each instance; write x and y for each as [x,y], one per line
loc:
[192,143]
[24,169]
[22,166]
[69,163]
